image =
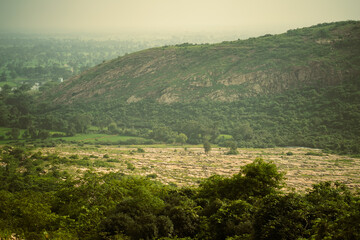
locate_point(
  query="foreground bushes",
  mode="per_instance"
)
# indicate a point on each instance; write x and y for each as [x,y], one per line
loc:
[38,204]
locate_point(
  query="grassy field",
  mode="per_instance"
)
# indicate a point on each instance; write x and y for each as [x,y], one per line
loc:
[88,138]
[97,137]
[188,165]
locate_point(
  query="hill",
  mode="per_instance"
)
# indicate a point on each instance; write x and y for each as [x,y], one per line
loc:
[322,55]
[300,88]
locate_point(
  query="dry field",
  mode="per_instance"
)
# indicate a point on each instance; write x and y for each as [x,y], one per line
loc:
[187,166]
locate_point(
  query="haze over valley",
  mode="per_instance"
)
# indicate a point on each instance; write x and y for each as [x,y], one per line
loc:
[163,119]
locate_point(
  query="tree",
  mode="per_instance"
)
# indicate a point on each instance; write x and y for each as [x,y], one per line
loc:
[25,121]
[81,122]
[233,148]
[164,134]
[243,132]
[261,178]
[207,147]
[70,131]
[334,212]
[14,133]
[3,77]
[33,133]
[181,138]
[6,89]
[255,180]
[4,114]
[281,217]
[232,218]
[112,128]
[43,134]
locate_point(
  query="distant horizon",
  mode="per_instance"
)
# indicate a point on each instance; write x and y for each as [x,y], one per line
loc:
[168,34]
[170,17]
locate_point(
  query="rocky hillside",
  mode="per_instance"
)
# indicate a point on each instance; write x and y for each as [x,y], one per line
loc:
[325,54]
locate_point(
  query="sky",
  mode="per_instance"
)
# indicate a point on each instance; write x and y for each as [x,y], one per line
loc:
[152,16]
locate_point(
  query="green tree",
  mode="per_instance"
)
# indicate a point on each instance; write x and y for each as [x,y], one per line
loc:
[81,122]
[33,133]
[70,131]
[14,133]
[333,211]
[25,121]
[233,218]
[112,128]
[281,217]
[207,147]
[43,134]
[243,132]
[4,114]
[181,138]
[232,145]
[164,134]
[6,89]
[3,77]
[262,178]
[255,180]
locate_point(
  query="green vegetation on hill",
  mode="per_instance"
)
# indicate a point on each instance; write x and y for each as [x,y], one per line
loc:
[298,88]
[326,54]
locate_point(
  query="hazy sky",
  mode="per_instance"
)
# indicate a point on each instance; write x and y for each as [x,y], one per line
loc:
[269,16]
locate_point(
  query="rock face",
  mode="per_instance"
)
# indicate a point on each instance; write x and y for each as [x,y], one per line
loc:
[228,71]
[278,81]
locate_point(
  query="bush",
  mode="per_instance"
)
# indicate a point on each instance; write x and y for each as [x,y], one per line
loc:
[113,160]
[74,156]
[153,175]
[130,166]
[232,152]
[98,163]
[140,150]
[311,153]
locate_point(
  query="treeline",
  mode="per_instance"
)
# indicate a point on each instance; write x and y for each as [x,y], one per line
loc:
[41,59]
[324,117]
[40,201]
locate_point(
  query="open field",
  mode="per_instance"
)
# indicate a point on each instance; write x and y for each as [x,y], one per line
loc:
[187,166]
[97,137]
[80,138]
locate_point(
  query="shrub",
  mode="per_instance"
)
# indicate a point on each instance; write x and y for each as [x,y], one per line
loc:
[153,175]
[140,150]
[74,156]
[314,153]
[130,166]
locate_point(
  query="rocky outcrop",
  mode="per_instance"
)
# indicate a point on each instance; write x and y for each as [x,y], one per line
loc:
[225,72]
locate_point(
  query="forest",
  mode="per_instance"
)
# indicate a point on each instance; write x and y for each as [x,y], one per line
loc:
[325,118]
[45,59]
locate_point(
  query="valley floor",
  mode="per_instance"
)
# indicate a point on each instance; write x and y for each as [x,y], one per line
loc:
[186,166]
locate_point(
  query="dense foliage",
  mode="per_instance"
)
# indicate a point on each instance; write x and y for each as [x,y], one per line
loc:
[47,203]
[325,118]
